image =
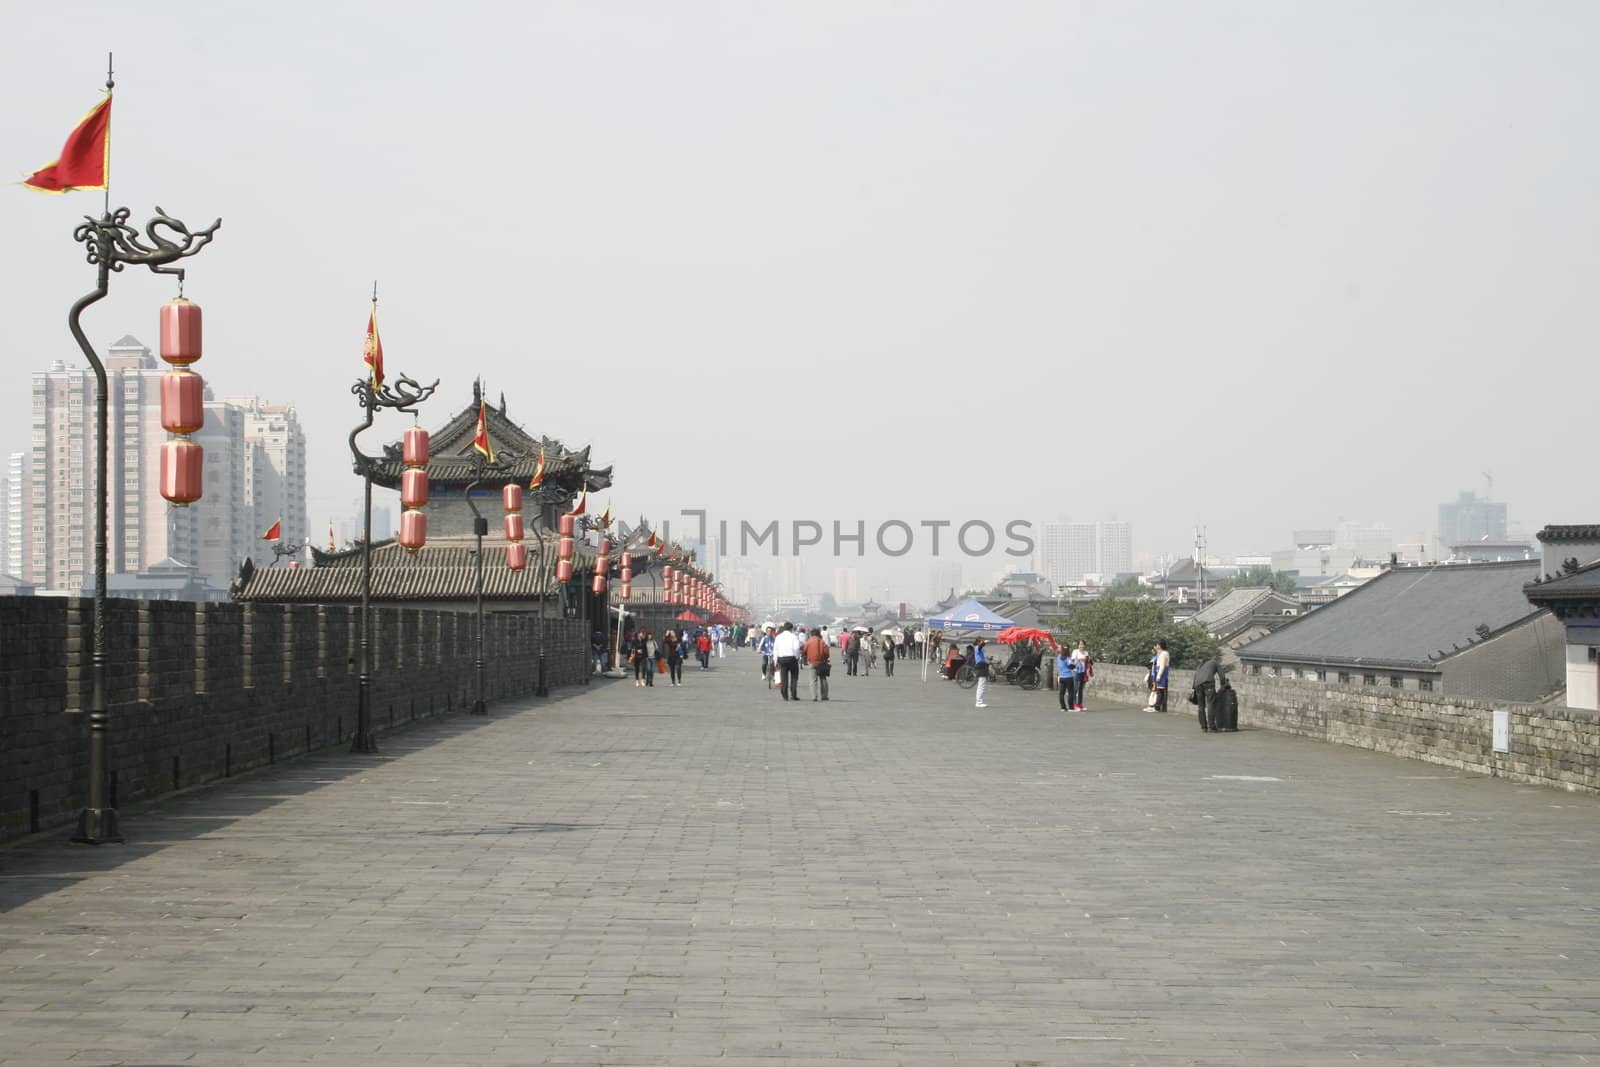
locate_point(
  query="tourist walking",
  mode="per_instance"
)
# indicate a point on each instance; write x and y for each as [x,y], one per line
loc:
[644,659]
[702,647]
[888,655]
[852,653]
[674,650]
[786,647]
[816,653]
[980,663]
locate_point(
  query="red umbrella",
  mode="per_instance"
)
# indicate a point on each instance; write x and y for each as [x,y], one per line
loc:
[1013,634]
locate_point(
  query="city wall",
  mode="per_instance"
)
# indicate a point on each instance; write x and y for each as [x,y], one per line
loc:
[1551,746]
[198,692]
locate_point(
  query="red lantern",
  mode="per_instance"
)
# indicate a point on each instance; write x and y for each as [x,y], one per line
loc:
[627,590]
[514,525]
[511,497]
[180,332]
[414,447]
[563,570]
[183,402]
[605,546]
[182,471]
[414,488]
[565,525]
[517,555]
[413,530]
[598,586]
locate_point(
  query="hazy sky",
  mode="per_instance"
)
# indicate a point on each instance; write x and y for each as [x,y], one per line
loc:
[1251,265]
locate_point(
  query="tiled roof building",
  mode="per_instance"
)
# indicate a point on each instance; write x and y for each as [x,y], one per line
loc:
[1463,629]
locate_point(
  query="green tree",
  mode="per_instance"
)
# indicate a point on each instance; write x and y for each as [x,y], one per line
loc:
[1126,587]
[1281,581]
[1122,631]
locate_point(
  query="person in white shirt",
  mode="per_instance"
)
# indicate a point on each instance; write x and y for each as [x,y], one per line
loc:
[786,649]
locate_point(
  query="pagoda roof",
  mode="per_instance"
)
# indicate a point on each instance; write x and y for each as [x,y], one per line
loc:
[453,462]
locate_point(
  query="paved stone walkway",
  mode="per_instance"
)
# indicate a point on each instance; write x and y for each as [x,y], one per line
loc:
[710,875]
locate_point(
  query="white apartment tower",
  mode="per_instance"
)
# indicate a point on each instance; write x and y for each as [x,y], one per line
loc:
[274,473]
[19,480]
[1116,549]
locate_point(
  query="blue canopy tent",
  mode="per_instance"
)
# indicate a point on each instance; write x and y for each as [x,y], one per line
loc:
[969,615]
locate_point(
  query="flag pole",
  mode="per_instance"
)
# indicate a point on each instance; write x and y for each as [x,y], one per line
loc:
[110,84]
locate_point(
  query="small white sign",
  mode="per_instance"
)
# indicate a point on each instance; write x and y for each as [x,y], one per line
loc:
[1502,730]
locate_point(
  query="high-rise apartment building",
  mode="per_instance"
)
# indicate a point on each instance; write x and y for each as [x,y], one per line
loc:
[1115,549]
[1071,550]
[846,586]
[274,472]
[56,513]
[19,472]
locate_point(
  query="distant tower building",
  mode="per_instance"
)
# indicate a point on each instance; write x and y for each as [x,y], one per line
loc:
[19,477]
[274,473]
[1116,549]
[943,577]
[846,588]
[1470,518]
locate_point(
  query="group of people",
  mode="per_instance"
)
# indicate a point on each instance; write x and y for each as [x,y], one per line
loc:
[648,655]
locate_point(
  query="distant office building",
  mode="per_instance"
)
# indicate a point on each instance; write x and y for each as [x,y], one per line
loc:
[1470,518]
[846,586]
[945,579]
[19,475]
[1115,548]
[349,531]
[56,512]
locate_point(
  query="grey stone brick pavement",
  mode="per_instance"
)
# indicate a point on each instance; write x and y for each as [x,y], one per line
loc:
[710,875]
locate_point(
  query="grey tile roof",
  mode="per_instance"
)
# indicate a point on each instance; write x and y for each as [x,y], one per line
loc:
[1574,532]
[442,570]
[1406,617]
[1581,584]
[1239,605]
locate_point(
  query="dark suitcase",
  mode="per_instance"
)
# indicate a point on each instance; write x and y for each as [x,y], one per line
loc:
[1227,713]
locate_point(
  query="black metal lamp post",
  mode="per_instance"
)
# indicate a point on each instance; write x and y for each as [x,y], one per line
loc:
[110,245]
[480,527]
[404,396]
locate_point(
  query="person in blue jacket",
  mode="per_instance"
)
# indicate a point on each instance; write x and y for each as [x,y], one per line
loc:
[1066,680]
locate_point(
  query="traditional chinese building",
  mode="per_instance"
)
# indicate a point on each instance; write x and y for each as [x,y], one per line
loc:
[443,573]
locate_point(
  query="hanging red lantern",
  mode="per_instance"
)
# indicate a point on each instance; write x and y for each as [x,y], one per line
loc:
[605,546]
[563,570]
[413,530]
[180,332]
[514,525]
[517,555]
[598,585]
[182,471]
[414,488]
[627,590]
[414,447]
[183,402]
[511,497]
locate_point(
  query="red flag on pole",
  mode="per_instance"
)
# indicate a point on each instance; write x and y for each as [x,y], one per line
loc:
[274,532]
[538,473]
[583,502]
[85,161]
[331,546]
[372,354]
[480,440]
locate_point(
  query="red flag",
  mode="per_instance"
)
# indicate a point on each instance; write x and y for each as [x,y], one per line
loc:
[538,473]
[331,546]
[480,440]
[372,354]
[583,502]
[605,519]
[85,160]
[651,543]
[274,532]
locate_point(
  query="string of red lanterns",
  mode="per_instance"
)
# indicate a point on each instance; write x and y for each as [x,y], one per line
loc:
[516,551]
[414,489]
[183,403]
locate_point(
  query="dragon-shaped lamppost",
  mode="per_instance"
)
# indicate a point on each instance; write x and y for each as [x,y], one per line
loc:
[282,551]
[403,395]
[110,244]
